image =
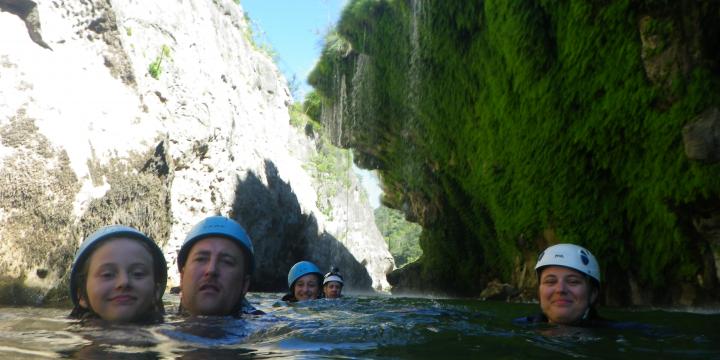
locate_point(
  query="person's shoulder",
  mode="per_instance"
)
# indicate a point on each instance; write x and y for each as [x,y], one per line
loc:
[530,319]
[289,297]
[249,309]
[624,325]
[253,311]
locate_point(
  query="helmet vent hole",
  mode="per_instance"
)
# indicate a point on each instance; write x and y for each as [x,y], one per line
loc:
[584,258]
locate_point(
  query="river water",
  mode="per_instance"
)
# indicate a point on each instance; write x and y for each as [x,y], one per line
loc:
[363,327]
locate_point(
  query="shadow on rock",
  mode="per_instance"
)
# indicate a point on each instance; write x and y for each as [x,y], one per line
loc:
[283,235]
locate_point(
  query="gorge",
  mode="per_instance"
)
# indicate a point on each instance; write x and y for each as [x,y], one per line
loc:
[505,126]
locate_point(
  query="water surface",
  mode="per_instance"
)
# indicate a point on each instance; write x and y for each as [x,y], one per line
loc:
[376,327]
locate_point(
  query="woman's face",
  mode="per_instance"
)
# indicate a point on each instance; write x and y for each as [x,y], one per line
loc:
[120,284]
[565,294]
[307,287]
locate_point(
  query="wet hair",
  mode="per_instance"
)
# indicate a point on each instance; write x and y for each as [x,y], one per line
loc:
[78,312]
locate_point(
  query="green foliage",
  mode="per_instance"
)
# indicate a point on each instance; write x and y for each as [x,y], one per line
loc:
[330,165]
[401,236]
[257,38]
[515,124]
[155,68]
[297,117]
[312,105]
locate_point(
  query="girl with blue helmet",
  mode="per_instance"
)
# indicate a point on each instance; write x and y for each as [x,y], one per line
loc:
[118,275]
[304,281]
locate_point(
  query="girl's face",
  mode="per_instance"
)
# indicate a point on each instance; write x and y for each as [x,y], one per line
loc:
[120,284]
[565,294]
[307,287]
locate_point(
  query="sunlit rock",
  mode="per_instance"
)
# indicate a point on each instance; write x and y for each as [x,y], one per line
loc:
[155,115]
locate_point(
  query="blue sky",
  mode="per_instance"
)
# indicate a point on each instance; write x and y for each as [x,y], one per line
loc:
[295,30]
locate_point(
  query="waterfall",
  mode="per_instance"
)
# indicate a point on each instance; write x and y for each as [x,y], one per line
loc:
[414,80]
[341,113]
[361,100]
[414,72]
[333,114]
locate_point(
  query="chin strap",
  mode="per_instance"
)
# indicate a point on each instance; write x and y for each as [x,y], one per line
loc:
[587,313]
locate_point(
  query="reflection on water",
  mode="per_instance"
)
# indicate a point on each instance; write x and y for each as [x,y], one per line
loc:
[360,327]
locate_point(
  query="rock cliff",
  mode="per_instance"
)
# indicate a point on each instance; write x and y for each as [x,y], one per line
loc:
[157,114]
[505,126]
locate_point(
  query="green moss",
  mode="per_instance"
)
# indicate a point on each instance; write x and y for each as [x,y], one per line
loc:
[139,196]
[513,120]
[38,189]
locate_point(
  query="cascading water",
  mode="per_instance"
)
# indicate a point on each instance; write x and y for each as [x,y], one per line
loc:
[333,114]
[361,100]
[410,122]
[414,72]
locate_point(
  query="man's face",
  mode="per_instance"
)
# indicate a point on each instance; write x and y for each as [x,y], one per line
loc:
[332,289]
[213,279]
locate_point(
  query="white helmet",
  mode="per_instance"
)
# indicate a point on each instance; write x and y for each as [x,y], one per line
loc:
[570,256]
[333,277]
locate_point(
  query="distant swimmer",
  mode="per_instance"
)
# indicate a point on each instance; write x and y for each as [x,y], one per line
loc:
[333,284]
[304,280]
[569,278]
[118,275]
[216,262]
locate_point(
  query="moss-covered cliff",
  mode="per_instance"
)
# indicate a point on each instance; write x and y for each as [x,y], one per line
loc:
[504,126]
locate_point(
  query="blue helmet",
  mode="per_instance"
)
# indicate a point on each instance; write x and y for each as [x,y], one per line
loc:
[222,227]
[301,269]
[115,231]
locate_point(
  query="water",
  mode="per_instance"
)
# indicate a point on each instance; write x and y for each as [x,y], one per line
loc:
[362,327]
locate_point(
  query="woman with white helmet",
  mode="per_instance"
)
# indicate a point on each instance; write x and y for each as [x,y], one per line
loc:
[569,283]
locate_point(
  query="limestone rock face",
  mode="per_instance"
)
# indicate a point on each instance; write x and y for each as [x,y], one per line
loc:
[701,137]
[90,136]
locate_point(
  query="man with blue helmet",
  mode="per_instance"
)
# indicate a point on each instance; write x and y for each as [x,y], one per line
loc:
[304,280]
[216,262]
